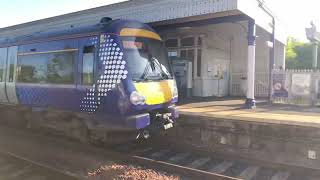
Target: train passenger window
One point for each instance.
(54, 68)
(61, 68)
(87, 65)
(3, 59)
(32, 68)
(12, 60)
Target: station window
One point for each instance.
(187, 42)
(50, 68)
(200, 41)
(88, 65)
(172, 43)
(173, 53)
(188, 54)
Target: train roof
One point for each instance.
(46, 35)
(105, 25)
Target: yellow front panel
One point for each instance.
(156, 92)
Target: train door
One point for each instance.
(86, 65)
(3, 64)
(11, 74)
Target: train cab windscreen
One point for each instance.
(147, 59)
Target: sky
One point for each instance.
(19, 11)
(295, 15)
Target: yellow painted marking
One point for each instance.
(156, 92)
(132, 32)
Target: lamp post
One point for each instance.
(314, 37)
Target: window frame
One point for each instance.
(188, 37)
(176, 39)
(73, 65)
(197, 47)
(94, 64)
(3, 64)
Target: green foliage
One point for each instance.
(298, 54)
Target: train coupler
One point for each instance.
(165, 120)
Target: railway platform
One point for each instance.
(275, 133)
(265, 112)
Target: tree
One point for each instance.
(298, 54)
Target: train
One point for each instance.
(102, 81)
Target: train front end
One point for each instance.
(153, 91)
(149, 89)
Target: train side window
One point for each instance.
(11, 68)
(32, 68)
(61, 68)
(51, 68)
(88, 65)
(3, 58)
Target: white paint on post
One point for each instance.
(251, 66)
(189, 76)
(189, 80)
(251, 71)
(315, 56)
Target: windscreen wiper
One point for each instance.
(152, 63)
(147, 69)
(163, 72)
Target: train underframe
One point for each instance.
(82, 127)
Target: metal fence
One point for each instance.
(299, 87)
(239, 84)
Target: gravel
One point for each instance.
(128, 172)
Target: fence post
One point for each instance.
(313, 88)
(271, 85)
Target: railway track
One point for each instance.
(187, 163)
(13, 167)
(196, 166)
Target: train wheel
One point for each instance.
(78, 130)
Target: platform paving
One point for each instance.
(264, 113)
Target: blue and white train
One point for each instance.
(115, 74)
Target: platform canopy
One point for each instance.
(157, 12)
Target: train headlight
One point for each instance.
(137, 99)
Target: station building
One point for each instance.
(230, 45)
